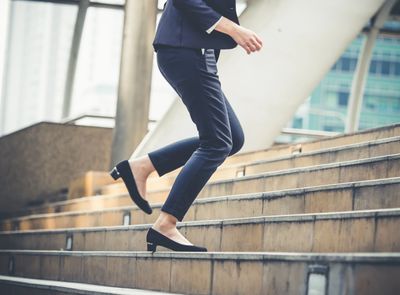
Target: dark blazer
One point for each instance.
(183, 23)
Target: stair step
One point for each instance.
(359, 195)
(318, 144)
(22, 286)
(213, 272)
(355, 170)
(369, 136)
(357, 231)
(367, 149)
(364, 150)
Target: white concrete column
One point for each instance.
(73, 56)
(132, 116)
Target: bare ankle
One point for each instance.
(144, 164)
(165, 221)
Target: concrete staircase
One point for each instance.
(321, 217)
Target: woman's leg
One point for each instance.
(220, 135)
(200, 90)
(175, 155)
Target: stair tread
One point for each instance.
(255, 176)
(389, 212)
(246, 196)
(80, 288)
(350, 134)
(292, 156)
(390, 257)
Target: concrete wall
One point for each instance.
(38, 161)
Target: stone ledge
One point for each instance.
(366, 257)
(376, 213)
(77, 288)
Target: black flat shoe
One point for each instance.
(123, 169)
(155, 238)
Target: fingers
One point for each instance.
(252, 45)
(245, 47)
(249, 40)
(258, 39)
(257, 46)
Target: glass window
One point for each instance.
(339, 65)
(371, 102)
(298, 122)
(373, 68)
(330, 99)
(385, 67)
(396, 104)
(96, 80)
(38, 51)
(353, 64)
(397, 68)
(346, 64)
(343, 98)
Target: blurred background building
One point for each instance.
(43, 43)
(35, 44)
(326, 107)
(319, 172)
(37, 39)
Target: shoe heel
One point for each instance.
(151, 247)
(114, 173)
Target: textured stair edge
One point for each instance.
(213, 272)
(304, 169)
(393, 126)
(242, 178)
(374, 257)
(359, 132)
(75, 288)
(289, 171)
(364, 144)
(368, 143)
(269, 195)
(373, 213)
(308, 168)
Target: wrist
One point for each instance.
(233, 28)
(227, 26)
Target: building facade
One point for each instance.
(326, 108)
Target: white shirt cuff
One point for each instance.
(213, 26)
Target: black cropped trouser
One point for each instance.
(194, 76)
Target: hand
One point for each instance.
(246, 38)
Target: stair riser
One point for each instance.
(337, 234)
(367, 151)
(208, 276)
(329, 200)
(375, 149)
(271, 182)
(304, 178)
(157, 183)
(314, 146)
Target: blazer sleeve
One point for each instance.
(199, 12)
(209, 31)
